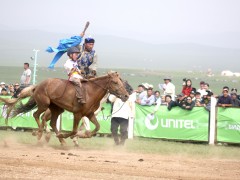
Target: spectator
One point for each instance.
(4, 91)
(206, 87)
(26, 76)
(120, 115)
(2, 85)
(187, 88)
(148, 100)
(235, 100)
(157, 98)
(170, 102)
(202, 88)
(204, 97)
(208, 104)
(168, 87)
(157, 101)
(163, 102)
(225, 100)
(192, 95)
(234, 90)
(180, 100)
(11, 90)
(17, 90)
(141, 92)
(188, 104)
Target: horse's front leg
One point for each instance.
(77, 118)
(94, 120)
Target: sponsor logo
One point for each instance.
(234, 127)
(167, 123)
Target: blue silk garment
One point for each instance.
(64, 45)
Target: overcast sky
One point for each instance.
(157, 21)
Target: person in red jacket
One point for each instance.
(187, 88)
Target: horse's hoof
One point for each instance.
(47, 137)
(39, 135)
(34, 133)
(60, 136)
(63, 143)
(88, 134)
(76, 143)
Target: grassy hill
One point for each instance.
(115, 52)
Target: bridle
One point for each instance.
(108, 87)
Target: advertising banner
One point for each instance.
(103, 118)
(228, 125)
(177, 124)
(22, 120)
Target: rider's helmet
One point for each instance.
(72, 50)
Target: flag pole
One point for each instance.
(35, 66)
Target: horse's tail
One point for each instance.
(26, 92)
(24, 108)
(8, 101)
(11, 103)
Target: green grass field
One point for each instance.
(137, 145)
(134, 77)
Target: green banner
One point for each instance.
(103, 119)
(22, 120)
(175, 124)
(228, 125)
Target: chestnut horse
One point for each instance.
(59, 94)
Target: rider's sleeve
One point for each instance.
(112, 98)
(93, 66)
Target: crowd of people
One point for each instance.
(189, 97)
(14, 89)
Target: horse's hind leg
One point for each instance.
(36, 115)
(45, 117)
(55, 112)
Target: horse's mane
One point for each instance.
(102, 77)
(97, 78)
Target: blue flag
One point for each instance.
(64, 45)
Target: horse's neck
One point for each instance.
(99, 86)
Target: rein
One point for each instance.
(112, 113)
(108, 86)
(107, 89)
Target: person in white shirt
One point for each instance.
(73, 72)
(26, 76)
(140, 93)
(168, 88)
(149, 99)
(202, 89)
(121, 113)
(157, 101)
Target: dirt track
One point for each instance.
(21, 161)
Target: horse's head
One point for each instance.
(127, 86)
(117, 87)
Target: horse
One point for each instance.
(85, 121)
(58, 94)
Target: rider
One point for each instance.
(87, 59)
(73, 71)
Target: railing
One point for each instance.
(220, 125)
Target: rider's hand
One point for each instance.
(82, 34)
(94, 72)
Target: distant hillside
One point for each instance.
(16, 47)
